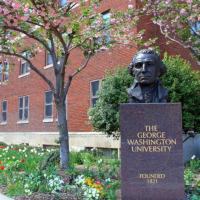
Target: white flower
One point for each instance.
(99, 161)
(107, 180)
(193, 157)
(130, 6)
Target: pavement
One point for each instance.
(3, 197)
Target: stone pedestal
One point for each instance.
(151, 152)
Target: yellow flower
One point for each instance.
(89, 181)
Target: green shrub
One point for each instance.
(3, 144)
(184, 86)
(105, 116)
(182, 82)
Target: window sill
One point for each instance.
(3, 123)
(23, 122)
(48, 66)
(48, 120)
(23, 75)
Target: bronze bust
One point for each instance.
(147, 67)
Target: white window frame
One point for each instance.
(27, 66)
(4, 111)
(23, 120)
(4, 70)
(46, 60)
(91, 93)
(48, 118)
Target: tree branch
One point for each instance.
(35, 69)
(29, 35)
(68, 82)
(172, 39)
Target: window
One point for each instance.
(23, 108)
(106, 18)
(4, 112)
(105, 39)
(4, 71)
(48, 110)
(49, 59)
(195, 27)
(63, 2)
(24, 67)
(94, 88)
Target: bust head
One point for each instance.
(147, 67)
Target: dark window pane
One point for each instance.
(4, 116)
(23, 65)
(21, 102)
(48, 111)
(26, 101)
(20, 114)
(4, 105)
(6, 71)
(27, 67)
(94, 100)
(1, 72)
(95, 87)
(25, 114)
(48, 97)
(49, 59)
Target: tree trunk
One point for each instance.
(63, 135)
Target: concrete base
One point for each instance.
(3, 197)
(77, 140)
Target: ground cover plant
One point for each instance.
(91, 176)
(192, 178)
(24, 172)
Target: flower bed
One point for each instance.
(25, 175)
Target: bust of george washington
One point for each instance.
(147, 68)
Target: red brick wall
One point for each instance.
(79, 93)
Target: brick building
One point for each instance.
(27, 111)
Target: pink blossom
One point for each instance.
(26, 9)
(130, 6)
(183, 12)
(112, 21)
(16, 6)
(24, 18)
(47, 26)
(168, 1)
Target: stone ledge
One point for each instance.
(78, 140)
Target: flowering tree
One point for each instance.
(59, 29)
(179, 21)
